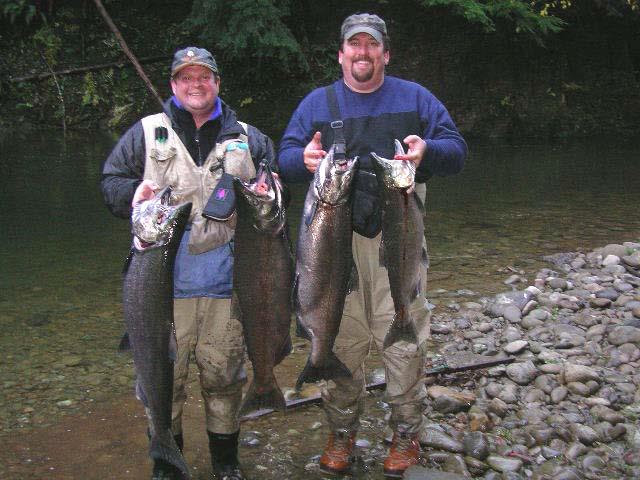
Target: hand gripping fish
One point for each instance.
(402, 247)
(148, 311)
(323, 265)
(262, 281)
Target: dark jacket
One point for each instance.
(123, 170)
(208, 274)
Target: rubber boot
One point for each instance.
(224, 455)
(337, 458)
(404, 452)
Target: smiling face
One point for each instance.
(196, 88)
(363, 59)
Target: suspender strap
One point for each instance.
(340, 145)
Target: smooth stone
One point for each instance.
(558, 394)
(504, 464)
(557, 283)
(437, 439)
(614, 249)
(624, 334)
(579, 373)
(610, 260)
(578, 388)
(600, 302)
(417, 472)
(516, 346)
(522, 373)
(610, 293)
(512, 314)
(585, 434)
(476, 445)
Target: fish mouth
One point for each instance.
(152, 220)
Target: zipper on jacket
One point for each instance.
(197, 140)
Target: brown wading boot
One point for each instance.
(404, 452)
(337, 456)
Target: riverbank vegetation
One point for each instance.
(505, 68)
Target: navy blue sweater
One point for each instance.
(371, 122)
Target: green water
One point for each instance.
(62, 252)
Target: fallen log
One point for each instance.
(452, 364)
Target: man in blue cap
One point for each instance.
(189, 146)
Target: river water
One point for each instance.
(62, 252)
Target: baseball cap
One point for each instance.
(193, 56)
(363, 23)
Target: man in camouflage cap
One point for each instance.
(375, 109)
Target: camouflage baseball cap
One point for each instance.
(193, 56)
(364, 23)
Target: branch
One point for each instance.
(126, 50)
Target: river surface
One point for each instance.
(62, 255)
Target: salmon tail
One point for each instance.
(164, 447)
(331, 368)
(261, 399)
(401, 329)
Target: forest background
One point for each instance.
(509, 69)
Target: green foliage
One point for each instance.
(14, 10)
(519, 13)
(251, 33)
(48, 43)
(90, 95)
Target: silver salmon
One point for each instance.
(262, 282)
(148, 312)
(402, 249)
(323, 265)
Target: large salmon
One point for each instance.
(148, 313)
(262, 280)
(402, 240)
(323, 265)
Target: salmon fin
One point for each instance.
(173, 346)
(236, 312)
(401, 329)
(127, 261)
(330, 369)
(286, 350)
(382, 260)
(301, 330)
(425, 257)
(125, 343)
(270, 398)
(163, 447)
(310, 214)
(420, 203)
(354, 282)
(140, 395)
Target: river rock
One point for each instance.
(438, 439)
(522, 373)
(417, 472)
(579, 373)
(504, 464)
(624, 334)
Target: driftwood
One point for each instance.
(88, 68)
(452, 364)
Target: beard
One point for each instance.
(362, 75)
